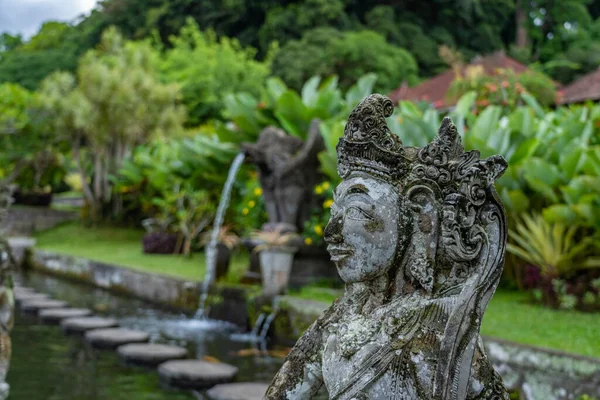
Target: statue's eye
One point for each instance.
(357, 214)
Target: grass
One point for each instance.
(512, 317)
(123, 246)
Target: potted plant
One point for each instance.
(226, 242)
(276, 253)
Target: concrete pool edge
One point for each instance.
(159, 289)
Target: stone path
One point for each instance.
(36, 305)
(150, 354)
(172, 367)
(238, 391)
(111, 338)
(55, 315)
(81, 325)
(195, 374)
(29, 296)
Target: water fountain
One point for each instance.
(211, 247)
(267, 325)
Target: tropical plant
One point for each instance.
(315, 225)
(190, 210)
(225, 236)
(557, 250)
(248, 206)
(504, 88)
(273, 239)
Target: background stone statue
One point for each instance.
(288, 171)
(418, 235)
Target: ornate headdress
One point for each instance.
(369, 146)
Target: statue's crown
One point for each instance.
(369, 146)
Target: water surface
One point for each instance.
(48, 365)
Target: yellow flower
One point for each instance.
(319, 230)
(325, 185)
(318, 190)
(257, 191)
(245, 211)
(308, 241)
(251, 203)
(328, 203)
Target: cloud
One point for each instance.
(26, 16)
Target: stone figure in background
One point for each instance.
(418, 235)
(288, 171)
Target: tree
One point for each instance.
(350, 55)
(208, 68)
(115, 103)
(28, 63)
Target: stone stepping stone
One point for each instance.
(36, 305)
(195, 374)
(23, 289)
(150, 354)
(30, 296)
(55, 315)
(238, 391)
(81, 325)
(111, 338)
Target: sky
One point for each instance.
(26, 16)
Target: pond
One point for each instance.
(49, 365)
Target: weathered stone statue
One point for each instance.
(7, 262)
(288, 171)
(418, 236)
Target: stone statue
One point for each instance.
(288, 171)
(7, 263)
(418, 235)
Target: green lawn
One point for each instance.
(512, 317)
(123, 246)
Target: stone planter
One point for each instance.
(222, 261)
(276, 265)
(159, 243)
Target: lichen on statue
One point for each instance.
(418, 235)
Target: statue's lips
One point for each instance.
(339, 253)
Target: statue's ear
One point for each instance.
(422, 202)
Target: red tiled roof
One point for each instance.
(585, 88)
(434, 90)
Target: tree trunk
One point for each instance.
(87, 191)
(521, 37)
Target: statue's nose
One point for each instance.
(333, 230)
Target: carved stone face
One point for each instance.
(362, 233)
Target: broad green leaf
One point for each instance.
(524, 151)
(465, 104)
(310, 91)
(533, 103)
